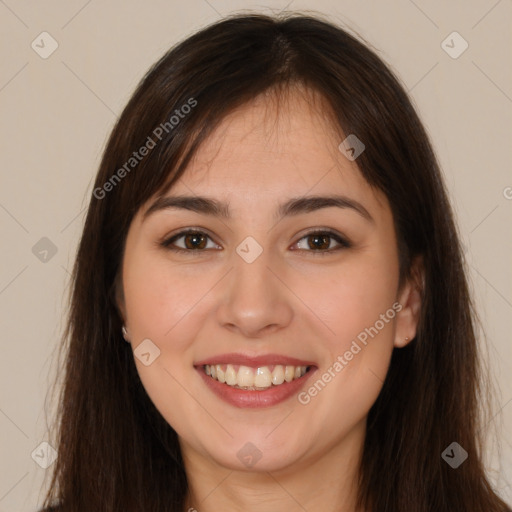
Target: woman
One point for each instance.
(269, 307)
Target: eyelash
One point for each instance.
(343, 243)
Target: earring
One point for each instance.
(406, 339)
(125, 334)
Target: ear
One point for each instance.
(409, 297)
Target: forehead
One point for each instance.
(276, 146)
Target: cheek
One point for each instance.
(163, 304)
(356, 302)
(351, 297)
(357, 305)
(158, 296)
(160, 306)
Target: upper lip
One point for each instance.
(254, 361)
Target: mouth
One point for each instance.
(254, 382)
(254, 378)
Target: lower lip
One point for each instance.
(253, 399)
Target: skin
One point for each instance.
(291, 300)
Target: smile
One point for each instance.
(246, 380)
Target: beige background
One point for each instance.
(57, 112)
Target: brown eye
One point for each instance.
(188, 241)
(322, 242)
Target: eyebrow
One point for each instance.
(294, 206)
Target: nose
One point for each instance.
(254, 300)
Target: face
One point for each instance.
(293, 301)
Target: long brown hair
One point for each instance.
(115, 451)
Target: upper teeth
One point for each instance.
(254, 378)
